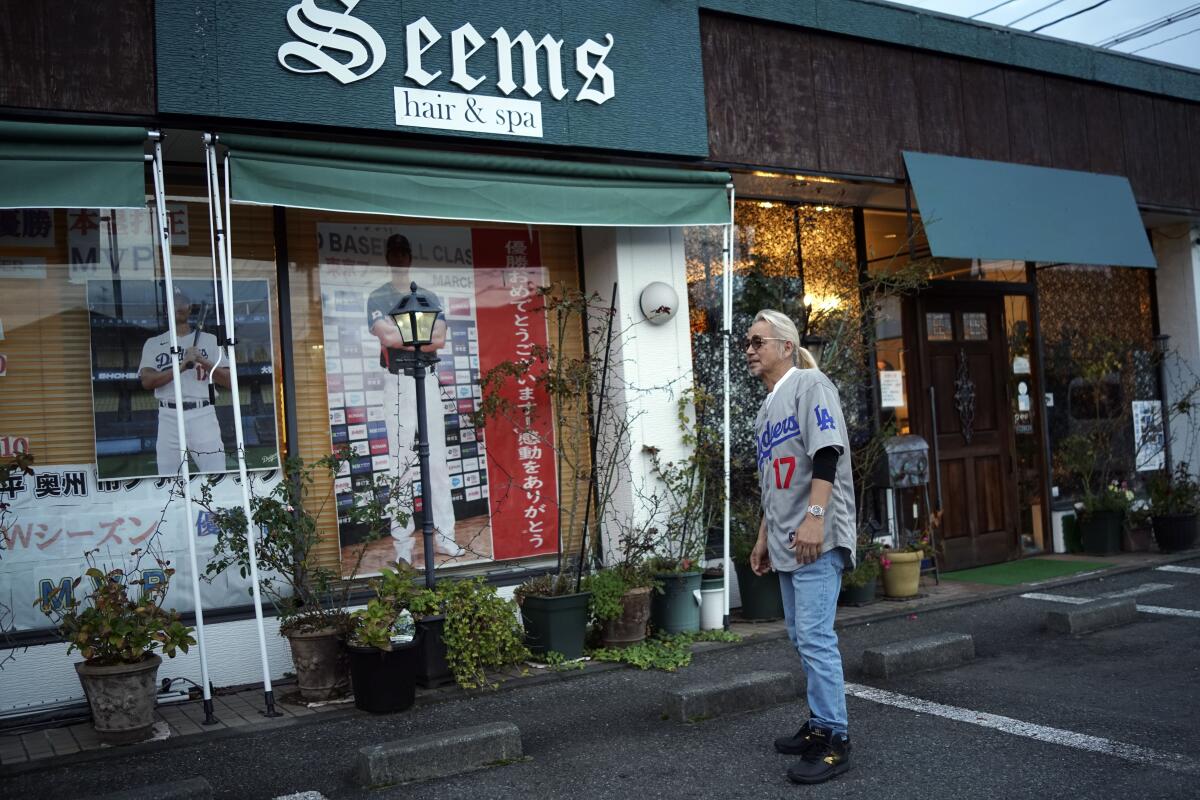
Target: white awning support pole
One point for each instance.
(184, 473)
(727, 331)
(224, 254)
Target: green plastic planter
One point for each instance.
(761, 597)
(556, 624)
(677, 608)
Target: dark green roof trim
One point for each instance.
(912, 27)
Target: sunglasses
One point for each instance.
(757, 341)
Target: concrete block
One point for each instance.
(913, 655)
(438, 755)
(189, 789)
(1093, 616)
(753, 690)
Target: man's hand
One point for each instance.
(809, 538)
(760, 557)
(192, 357)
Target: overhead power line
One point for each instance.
(993, 8)
(1092, 7)
(1035, 13)
(1150, 27)
(1164, 41)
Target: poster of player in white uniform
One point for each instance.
(133, 395)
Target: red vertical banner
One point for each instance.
(523, 486)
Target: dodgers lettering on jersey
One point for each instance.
(776, 433)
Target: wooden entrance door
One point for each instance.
(963, 356)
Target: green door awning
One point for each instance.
(71, 166)
(399, 181)
(992, 210)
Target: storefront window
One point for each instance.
(497, 485)
(1026, 425)
(84, 344)
(1097, 330)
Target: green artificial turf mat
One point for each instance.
(1027, 570)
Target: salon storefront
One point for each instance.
(489, 151)
(507, 148)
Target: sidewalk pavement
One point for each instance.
(238, 710)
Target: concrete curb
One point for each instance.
(1093, 616)
(438, 755)
(914, 655)
(752, 690)
(189, 789)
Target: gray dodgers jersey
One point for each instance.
(800, 417)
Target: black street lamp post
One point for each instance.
(415, 316)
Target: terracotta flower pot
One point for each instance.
(630, 627)
(122, 698)
(322, 666)
(903, 577)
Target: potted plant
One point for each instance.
(383, 648)
(554, 614)
(481, 631)
(858, 584)
(310, 598)
(1174, 503)
(1102, 518)
(117, 626)
(902, 571)
(620, 604)
(762, 598)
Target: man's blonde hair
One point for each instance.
(786, 329)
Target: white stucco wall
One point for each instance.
(1178, 282)
(652, 364)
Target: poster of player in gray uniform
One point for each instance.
(133, 396)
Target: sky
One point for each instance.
(1110, 19)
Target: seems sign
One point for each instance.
(348, 49)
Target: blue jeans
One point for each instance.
(809, 603)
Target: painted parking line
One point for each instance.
(1159, 610)
(1169, 612)
(302, 796)
(1144, 588)
(1080, 741)
(1175, 568)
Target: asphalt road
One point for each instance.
(1107, 715)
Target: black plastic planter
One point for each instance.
(761, 597)
(1100, 532)
(432, 667)
(556, 624)
(1174, 532)
(858, 595)
(384, 681)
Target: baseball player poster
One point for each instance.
(133, 397)
(492, 497)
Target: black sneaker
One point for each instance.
(828, 756)
(797, 745)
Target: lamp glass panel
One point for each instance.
(404, 321)
(424, 324)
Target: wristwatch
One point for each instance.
(817, 511)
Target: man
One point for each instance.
(399, 407)
(196, 374)
(807, 530)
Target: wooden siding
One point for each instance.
(793, 98)
(78, 56)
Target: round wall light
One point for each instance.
(659, 302)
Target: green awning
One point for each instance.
(71, 166)
(468, 186)
(992, 210)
